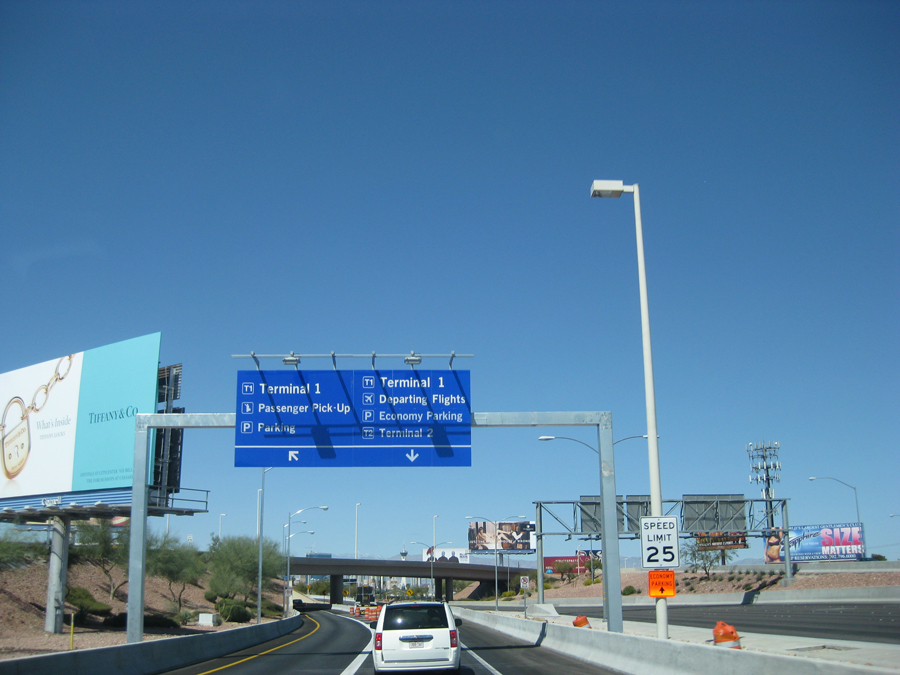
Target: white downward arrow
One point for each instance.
(411, 455)
(293, 455)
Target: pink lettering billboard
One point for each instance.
(840, 541)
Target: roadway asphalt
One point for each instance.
(865, 622)
(329, 644)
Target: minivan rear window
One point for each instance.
(414, 618)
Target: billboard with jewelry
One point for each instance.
(68, 423)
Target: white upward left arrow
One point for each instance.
(411, 455)
(293, 455)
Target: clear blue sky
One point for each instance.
(355, 176)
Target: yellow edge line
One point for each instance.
(268, 651)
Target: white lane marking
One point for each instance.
(490, 668)
(355, 664)
(360, 659)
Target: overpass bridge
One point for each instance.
(443, 573)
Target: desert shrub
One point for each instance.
(233, 610)
(630, 590)
(238, 614)
(185, 617)
(748, 586)
(547, 585)
(84, 602)
(211, 596)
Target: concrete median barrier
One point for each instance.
(154, 656)
(637, 655)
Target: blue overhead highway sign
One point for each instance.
(353, 418)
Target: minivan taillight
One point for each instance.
(453, 642)
(378, 640)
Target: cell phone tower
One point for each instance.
(764, 462)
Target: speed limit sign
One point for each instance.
(659, 542)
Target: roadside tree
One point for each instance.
(106, 548)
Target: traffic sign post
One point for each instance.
(524, 583)
(661, 583)
(659, 542)
(353, 418)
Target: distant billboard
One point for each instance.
(454, 555)
(580, 560)
(505, 536)
(68, 423)
(717, 541)
(841, 541)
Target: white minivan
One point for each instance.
(416, 636)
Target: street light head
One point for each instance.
(546, 438)
(324, 508)
(812, 477)
(607, 188)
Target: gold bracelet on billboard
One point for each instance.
(16, 444)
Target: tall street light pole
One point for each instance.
(433, 549)
(288, 547)
(609, 530)
(496, 546)
(615, 188)
(259, 538)
(288, 586)
(356, 534)
(291, 516)
(855, 495)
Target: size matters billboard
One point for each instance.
(840, 541)
(68, 423)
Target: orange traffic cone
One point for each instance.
(581, 622)
(725, 635)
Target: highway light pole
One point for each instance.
(291, 516)
(615, 188)
(609, 528)
(855, 496)
(495, 523)
(356, 534)
(433, 549)
(259, 538)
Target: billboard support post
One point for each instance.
(788, 572)
(56, 576)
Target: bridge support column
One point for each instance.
(438, 589)
(337, 589)
(448, 589)
(56, 574)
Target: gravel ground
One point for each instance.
(718, 584)
(23, 595)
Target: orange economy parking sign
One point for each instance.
(661, 583)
